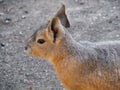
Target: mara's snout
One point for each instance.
(28, 49)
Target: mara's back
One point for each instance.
(101, 65)
(90, 66)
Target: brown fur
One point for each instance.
(79, 66)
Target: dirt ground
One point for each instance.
(91, 20)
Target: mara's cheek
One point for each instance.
(34, 52)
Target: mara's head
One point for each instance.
(45, 43)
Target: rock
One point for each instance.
(1, 1)
(2, 44)
(110, 21)
(20, 33)
(116, 16)
(7, 20)
(81, 3)
(26, 12)
(23, 17)
(117, 35)
(1, 13)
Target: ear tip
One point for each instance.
(63, 5)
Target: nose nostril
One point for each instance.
(26, 48)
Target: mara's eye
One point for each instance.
(41, 41)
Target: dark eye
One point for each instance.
(41, 41)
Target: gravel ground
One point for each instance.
(92, 20)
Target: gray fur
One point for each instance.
(98, 59)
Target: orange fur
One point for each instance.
(76, 65)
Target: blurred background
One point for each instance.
(91, 20)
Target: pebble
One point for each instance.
(81, 3)
(20, 33)
(76, 0)
(26, 12)
(1, 13)
(116, 16)
(2, 45)
(23, 17)
(114, 7)
(30, 88)
(8, 20)
(1, 1)
(99, 14)
(117, 35)
(110, 21)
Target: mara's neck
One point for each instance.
(67, 55)
(69, 48)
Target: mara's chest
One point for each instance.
(74, 77)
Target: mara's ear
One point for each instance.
(55, 30)
(62, 15)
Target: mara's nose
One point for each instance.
(26, 48)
